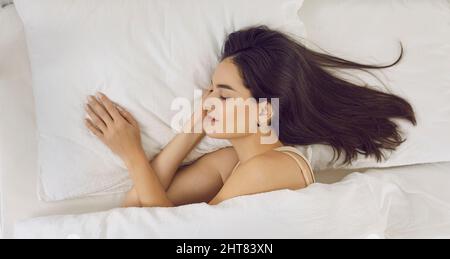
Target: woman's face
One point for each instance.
(230, 105)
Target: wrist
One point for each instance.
(135, 158)
(195, 124)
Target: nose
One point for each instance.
(209, 106)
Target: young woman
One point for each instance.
(315, 107)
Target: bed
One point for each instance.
(396, 202)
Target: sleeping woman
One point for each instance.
(314, 107)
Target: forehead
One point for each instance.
(228, 73)
(226, 70)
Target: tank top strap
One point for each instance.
(308, 172)
(235, 167)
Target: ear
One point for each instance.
(265, 111)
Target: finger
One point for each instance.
(109, 105)
(127, 116)
(93, 129)
(207, 92)
(100, 110)
(96, 120)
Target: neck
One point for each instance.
(250, 146)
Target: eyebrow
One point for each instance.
(224, 86)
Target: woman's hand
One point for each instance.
(115, 127)
(195, 124)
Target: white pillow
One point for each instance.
(142, 54)
(369, 31)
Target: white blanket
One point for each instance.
(406, 202)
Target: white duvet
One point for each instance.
(406, 202)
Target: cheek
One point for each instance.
(229, 113)
(240, 118)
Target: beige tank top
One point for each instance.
(307, 171)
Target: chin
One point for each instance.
(227, 136)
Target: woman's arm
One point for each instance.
(168, 161)
(198, 182)
(118, 130)
(147, 184)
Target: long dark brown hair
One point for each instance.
(317, 107)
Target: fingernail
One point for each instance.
(100, 95)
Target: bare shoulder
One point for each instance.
(276, 169)
(223, 160)
(265, 173)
